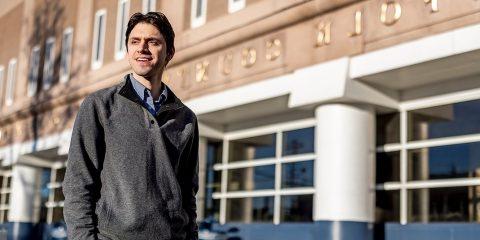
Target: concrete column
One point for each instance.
(202, 170)
(23, 210)
(345, 171)
(423, 168)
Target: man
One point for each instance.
(133, 161)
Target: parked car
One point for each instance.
(206, 232)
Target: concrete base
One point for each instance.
(325, 230)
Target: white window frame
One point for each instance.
(149, 6)
(51, 204)
(200, 20)
(65, 73)
(11, 79)
(49, 64)
(278, 160)
(97, 63)
(33, 71)
(234, 6)
(4, 191)
(404, 146)
(2, 79)
(120, 48)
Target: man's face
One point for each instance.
(146, 50)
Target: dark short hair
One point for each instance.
(160, 21)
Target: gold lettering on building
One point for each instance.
(201, 73)
(433, 4)
(225, 63)
(384, 14)
(323, 34)
(18, 129)
(166, 77)
(56, 121)
(358, 24)
(181, 75)
(273, 50)
(249, 57)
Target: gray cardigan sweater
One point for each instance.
(131, 175)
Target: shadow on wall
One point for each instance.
(48, 21)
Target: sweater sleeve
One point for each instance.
(81, 185)
(190, 186)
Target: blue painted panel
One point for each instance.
(325, 230)
(437, 231)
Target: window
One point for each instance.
(51, 192)
(212, 179)
(2, 79)
(253, 148)
(33, 71)
(122, 21)
(98, 38)
(66, 57)
(251, 209)
(198, 13)
(235, 5)
(251, 178)
(49, 63)
(148, 6)
(5, 190)
(297, 208)
(11, 79)
(267, 174)
(428, 166)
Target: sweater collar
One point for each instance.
(126, 90)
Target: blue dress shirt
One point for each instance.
(153, 106)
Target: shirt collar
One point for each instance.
(140, 89)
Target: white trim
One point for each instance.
(224, 183)
(54, 185)
(54, 204)
(436, 183)
(403, 167)
(425, 49)
(270, 129)
(146, 8)
(265, 193)
(5, 190)
(235, 5)
(11, 80)
(59, 164)
(120, 48)
(33, 71)
(443, 141)
(100, 40)
(390, 147)
(278, 178)
(439, 100)
(200, 20)
(7, 173)
(266, 161)
(209, 132)
(436, 142)
(11, 153)
(49, 63)
(65, 74)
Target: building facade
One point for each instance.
(319, 119)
